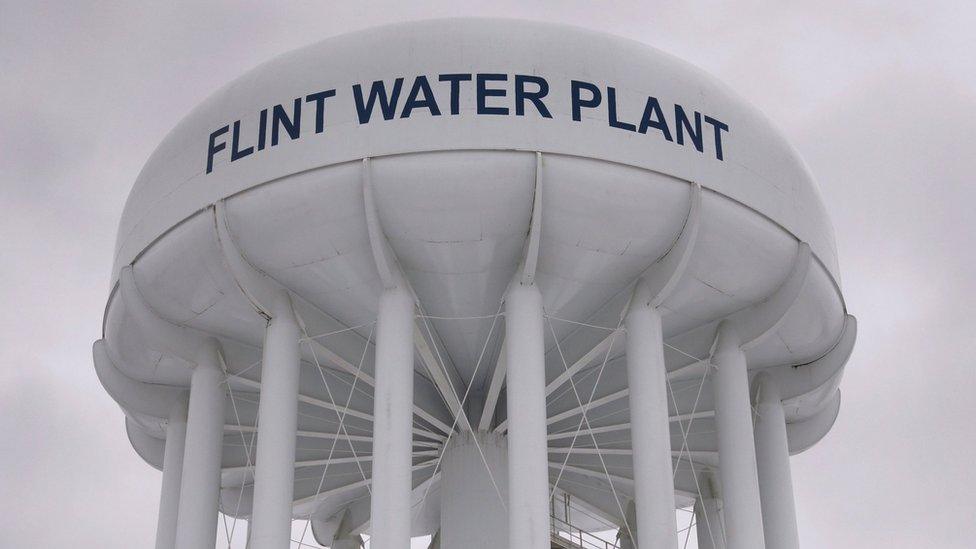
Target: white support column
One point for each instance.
(392, 427)
(650, 428)
(200, 485)
(736, 448)
(169, 493)
(708, 524)
(274, 474)
(773, 461)
(528, 466)
(472, 513)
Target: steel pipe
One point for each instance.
(773, 462)
(200, 483)
(650, 429)
(392, 427)
(736, 448)
(274, 472)
(169, 493)
(528, 469)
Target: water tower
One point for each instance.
(499, 282)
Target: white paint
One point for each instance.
(200, 486)
(650, 428)
(736, 450)
(393, 417)
(274, 473)
(169, 493)
(773, 462)
(472, 514)
(709, 528)
(528, 470)
(173, 183)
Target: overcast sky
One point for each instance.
(879, 98)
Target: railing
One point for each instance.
(565, 531)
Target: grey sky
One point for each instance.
(879, 98)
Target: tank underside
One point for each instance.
(458, 223)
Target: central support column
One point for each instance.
(169, 493)
(528, 466)
(274, 473)
(708, 524)
(200, 485)
(472, 515)
(773, 461)
(650, 429)
(736, 448)
(393, 423)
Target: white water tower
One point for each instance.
(499, 282)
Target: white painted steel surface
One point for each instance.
(448, 208)
(528, 469)
(199, 486)
(773, 462)
(169, 492)
(392, 428)
(736, 450)
(650, 429)
(274, 473)
(709, 529)
(473, 511)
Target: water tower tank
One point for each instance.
(500, 282)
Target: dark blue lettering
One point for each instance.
(319, 100)
(682, 123)
(455, 80)
(719, 128)
(420, 86)
(535, 97)
(612, 112)
(484, 93)
(658, 122)
(578, 102)
(280, 118)
(377, 92)
(235, 152)
(214, 147)
(262, 128)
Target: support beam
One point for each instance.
(736, 448)
(587, 432)
(494, 390)
(598, 350)
(299, 504)
(595, 403)
(708, 523)
(274, 474)
(773, 462)
(393, 404)
(169, 493)
(528, 478)
(445, 383)
(200, 484)
(319, 403)
(650, 428)
(528, 470)
(361, 458)
(472, 513)
(260, 290)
